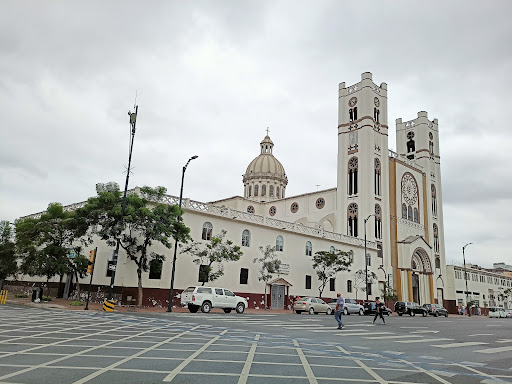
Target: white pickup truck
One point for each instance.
(207, 298)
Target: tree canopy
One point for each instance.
(269, 264)
(8, 259)
(147, 221)
(328, 263)
(217, 251)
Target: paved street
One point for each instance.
(54, 346)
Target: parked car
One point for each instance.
(350, 306)
(311, 305)
(409, 308)
(497, 312)
(207, 298)
(369, 309)
(436, 310)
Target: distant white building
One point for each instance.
(485, 287)
(398, 195)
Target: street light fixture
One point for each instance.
(171, 293)
(366, 257)
(466, 278)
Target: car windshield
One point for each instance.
(188, 290)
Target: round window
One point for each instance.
(294, 207)
(272, 211)
(320, 203)
(250, 209)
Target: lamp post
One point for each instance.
(169, 307)
(366, 257)
(466, 278)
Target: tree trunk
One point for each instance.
(139, 278)
(77, 286)
(47, 286)
(265, 296)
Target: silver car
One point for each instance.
(311, 305)
(350, 306)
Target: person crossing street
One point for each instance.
(340, 302)
(378, 310)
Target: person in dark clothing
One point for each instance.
(378, 310)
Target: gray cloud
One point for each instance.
(211, 76)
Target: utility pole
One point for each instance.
(113, 265)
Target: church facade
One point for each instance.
(393, 200)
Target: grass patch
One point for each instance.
(47, 298)
(76, 303)
(21, 295)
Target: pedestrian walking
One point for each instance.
(378, 310)
(340, 302)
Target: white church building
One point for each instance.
(399, 194)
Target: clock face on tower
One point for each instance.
(376, 102)
(352, 102)
(409, 189)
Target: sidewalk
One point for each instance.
(63, 304)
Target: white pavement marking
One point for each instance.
(493, 325)
(425, 331)
(431, 374)
(432, 357)
(495, 350)
(482, 374)
(393, 337)
(412, 327)
(179, 368)
(128, 358)
(341, 332)
(482, 334)
(371, 372)
(443, 373)
(70, 355)
(456, 345)
(421, 340)
(504, 341)
(248, 362)
(473, 364)
(309, 372)
(393, 353)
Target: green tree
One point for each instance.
(147, 220)
(217, 251)
(8, 259)
(44, 244)
(388, 293)
(360, 278)
(269, 264)
(328, 263)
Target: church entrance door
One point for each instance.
(440, 296)
(277, 296)
(416, 288)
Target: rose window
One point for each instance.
(272, 211)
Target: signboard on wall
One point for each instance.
(390, 280)
(284, 269)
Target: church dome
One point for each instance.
(265, 178)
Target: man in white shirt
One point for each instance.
(340, 302)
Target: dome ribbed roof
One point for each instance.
(265, 163)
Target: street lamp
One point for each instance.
(169, 307)
(466, 278)
(366, 256)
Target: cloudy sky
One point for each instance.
(211, 76)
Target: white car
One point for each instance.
(312, 305)
(497, 312)
(207, 298)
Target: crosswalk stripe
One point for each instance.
(394, 337)
(495, 350)
(420, 341)
(456, 345)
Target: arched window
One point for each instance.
(355, 113)
(378, 222)
(416, 216)
(404, 211)
(438, 262)
(352, 219)
(263, 190)
(155, 269)
(376, 178)
(246, 238)
(279, 243)
(271, 191)
(351, 114)
(282, 193)
(411, 146)
(352, 175)
(349, 286)
(431, 147)
(332, 249)
(309, 248)
(250, 190)
(409, 213)
(207, 231)
(277, 192)
(256, 190)
(434, 199)
(379, 251)
(436, 238)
